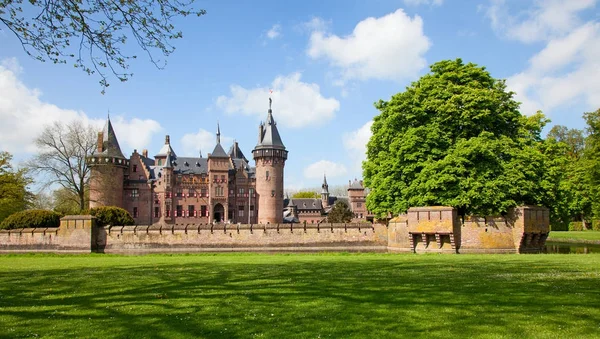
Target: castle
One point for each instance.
(221, 187)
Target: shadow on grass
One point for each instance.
(303, 296)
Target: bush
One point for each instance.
(31, 219)
(111, 215)
(596, 225)
(559, 226)
(576, 226)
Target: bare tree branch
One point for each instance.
(61, 30)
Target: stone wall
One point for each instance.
(75, 234)
(423, 229)
(440, 229)
(238, 237)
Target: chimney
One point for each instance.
(100, 138)
(167, 140)
(145, 153)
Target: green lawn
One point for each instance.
(300, 296)
(574, 236)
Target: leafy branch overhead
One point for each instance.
(93, 34)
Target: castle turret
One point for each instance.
(218, 169)
(270, 155)
(107, 170)
(325, 192)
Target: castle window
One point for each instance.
(168, 210)
(135, 212)
(156, 212)
(134, 193)
(251, 210)
(190, 210)
(179, 192)
(203, 211)
(223, 178)
(160, 162)
(240, 211)
(267, 175)
(251, 191)
(241, 190)
(218, 191)
(179, 211)
(203, 192)
(358, 205)
(134, 168)
(273, 193)
(191, 193)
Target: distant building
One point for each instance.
(314, 210)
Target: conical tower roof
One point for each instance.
(324, 186)
(110, 144)
(270, 137)
(218, 152)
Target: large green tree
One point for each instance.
(591, 160)
(14, 195)
(93, 34)
(454, 137)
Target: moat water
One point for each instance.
(569, 248)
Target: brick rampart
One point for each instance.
(440, 229)
(423, 229)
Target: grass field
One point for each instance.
(574, 236)
(300, 296)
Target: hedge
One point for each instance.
(31, 219)
(596, 225)
(111, 215)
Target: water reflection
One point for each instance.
(567, 248)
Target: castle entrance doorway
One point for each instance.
(219, 213)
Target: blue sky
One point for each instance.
(327, 62)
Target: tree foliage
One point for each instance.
(306, 194)
(31, 219)
(340, 213)
(14, 195)
(93, 33)
(111, 215)
(454, 137)
(63, 149)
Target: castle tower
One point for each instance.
(325, 192)
(270, 155)
(218, 175)
(107, 170)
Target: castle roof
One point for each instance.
(356, 185)
(166, 149)
(235, 152)
(218, 152)
(110, 144)
(324, 186)
(269, 135)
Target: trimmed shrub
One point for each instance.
(596, 225)
(31, 219)
(576, 226)
(111, 215)
(559, 226)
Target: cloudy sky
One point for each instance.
(327, 62)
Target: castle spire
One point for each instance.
(218, 134)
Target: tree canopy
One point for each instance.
(14, 195)
(455, 137)
(340, 212)
(306, 194)
(63, 149)
(93, 34)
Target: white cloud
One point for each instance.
(546, 20)
(204, 141)
(24, 114)
(315, 24)
(566, 70)
(390, 47)
(424, 2)
(295, 103)
(355, 143)
(317, 169)
(274, 32)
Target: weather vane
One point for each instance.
(270, 100)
